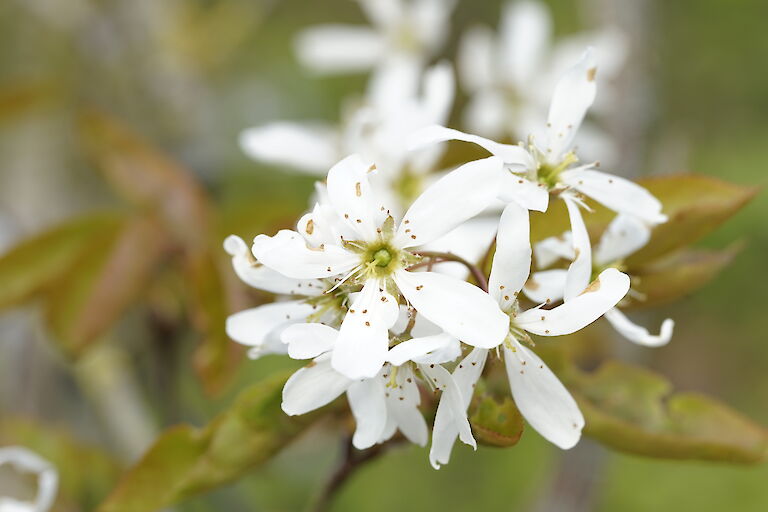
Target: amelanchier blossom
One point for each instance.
(509, 75)
(27, 462)
(623, 237)
(404, 35)
(359, 244)
(538, 393)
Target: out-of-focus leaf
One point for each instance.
(496, 424)
(149, 178)
(36, 263)
(86, 474)
(676, 276)
(103, 282)
(17, 99)
(210, 292)
(186, 461)
(696, 205)
(634, 410)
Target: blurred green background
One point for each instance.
(188, 75)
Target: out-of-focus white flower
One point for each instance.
(25, 461)
(624, 236)
(357, 242)
(539, 395)
(404, 35)
(509, 75)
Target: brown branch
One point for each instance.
(477, 274)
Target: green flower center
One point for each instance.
(382, 257)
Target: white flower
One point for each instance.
(26, 461)
(382, 404)
(404, 36)
(539, 395)
(360, 245)
(260, 327)
(624, 236)
(509, 75)
(548, 166)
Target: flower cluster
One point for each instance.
(380, 284)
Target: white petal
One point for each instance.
(287, 253)
(574, 94)
(27, 461)
(363, 341)
(476, 58)
(394, 82)
(448, 352)
(525, 32)
(383, 14)
(308, 147)
(487, 113)
(418, 347)
(306, 341)
(638, 334)
(551, 249)
(366, 400)
(624, 235)
(542, 399)
(512, 261)
(600, 296)
(455, 198)
(264, 278)
(510, 154)
(402, 406)
(616, 193)
(459, 308)
(262, 326)
(452, 399)
(439, 91)
(446, 428)
(546, 286)
(351, 196)
(312, 387)
(580, 269)
(528, 194)
(339, 48)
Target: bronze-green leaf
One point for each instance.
(35, 264)
(103, 282)
(186, 461)
(634, 410)
(676, 276)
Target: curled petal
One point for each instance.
(638, 334)
(580, 269)
(312, 387)
(307, 341)
(416, 348)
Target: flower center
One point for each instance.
(549, 174)
(382, 257)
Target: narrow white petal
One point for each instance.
(306, 341)
(418, 347)
(512, 261)
(616, 193)
(287, 252)
(383, 14)
(542, 399)
(525, 32)
(452, 400)
(339, 48)
(455, 198)
(510, 154)
(638, 334)
(580, 269)
(363, 342)
(624, 235)
(312, 387)
(402, 405)
(262, 326)
(574, 94)
(439, 92)
(446, 353)
(459, 308)
(351, 196)
(446, 429)
(366, 400)
(574, 314)
(308, 147)
(528, 194)
(546, 286)
(264, 278)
